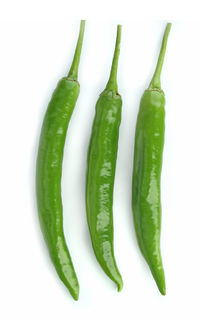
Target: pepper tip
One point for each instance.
(119, 285)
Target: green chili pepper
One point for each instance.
(102, 156)
(49, 170)
(149, 142)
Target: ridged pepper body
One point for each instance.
(102, 156)
(48, 178)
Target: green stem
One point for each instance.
(112, 82)
(73, 72)
(155, 82)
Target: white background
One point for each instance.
(36, 51)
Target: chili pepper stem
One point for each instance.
(155, 82)
(73, 72)
(112, 82)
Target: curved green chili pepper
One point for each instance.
(102, 156)
(149, 142)
(49, 170)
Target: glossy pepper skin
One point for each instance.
(49, 171)
(149, 142)
(101, 165)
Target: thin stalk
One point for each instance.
(155, 82)
(112, 82)
(73, 72)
